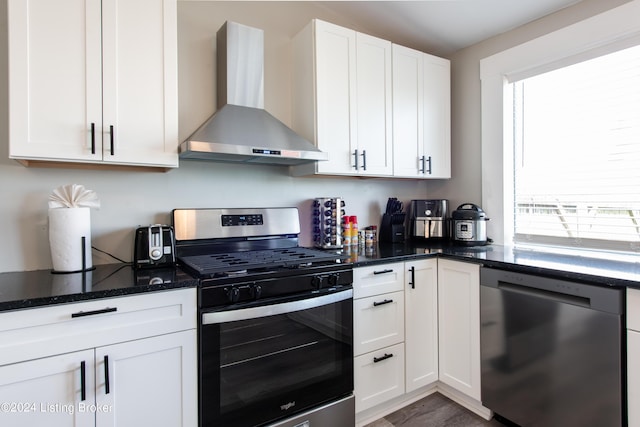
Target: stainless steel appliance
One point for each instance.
(276, 320)
(428, 219)
(154, 246)
(552, 350)
(326, 215)
(469, 226)
(241, 130)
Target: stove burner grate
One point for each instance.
(256, 260)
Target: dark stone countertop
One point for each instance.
(599, 271)
(26, 289)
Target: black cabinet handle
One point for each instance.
(355, 155)
(111, 138)
(106, 374)
(93, 138)
(387, 301)
(364, 159)
(413, 277)
(83, 383)
(385, 357)
(94, 312)
(421, 167)
(429, 161)
(383, 271)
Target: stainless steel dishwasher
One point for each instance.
(552, 350)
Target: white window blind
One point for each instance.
(577, 154)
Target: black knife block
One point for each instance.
(392, 228)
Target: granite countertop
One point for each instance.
(599, 271)
(26, 289)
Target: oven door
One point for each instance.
(268, 362)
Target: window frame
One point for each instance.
(613, 30)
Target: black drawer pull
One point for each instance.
(383, 271)
(387, 301)
(385, 357)
(94, 312)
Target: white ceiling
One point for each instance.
(444, 26)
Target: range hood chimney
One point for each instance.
(241, 130)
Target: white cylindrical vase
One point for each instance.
(70, 239)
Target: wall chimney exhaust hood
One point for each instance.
(241, 130)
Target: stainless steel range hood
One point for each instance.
(241, 130)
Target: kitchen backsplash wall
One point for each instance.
(129, 199)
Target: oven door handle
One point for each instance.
(274, 309)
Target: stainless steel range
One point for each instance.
(276, 320)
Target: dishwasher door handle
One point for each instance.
(543, 293)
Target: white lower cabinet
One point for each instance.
(380, 322)
(633, 355)
(421, 323)
(378, 331)
(152, 382)
(459, 326)
(379, 376)
(148, 376)
(430, 342)
(47, 391)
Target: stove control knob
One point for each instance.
(333, 279)
(233, 294)
(256, 291)
(316, 282)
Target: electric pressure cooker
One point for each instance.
(469, 225)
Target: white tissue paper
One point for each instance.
(69, 223)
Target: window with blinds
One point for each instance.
(577, 154)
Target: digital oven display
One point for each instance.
(238, 220)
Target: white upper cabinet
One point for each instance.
(421, 115)
(342, 99)
(373, 90)
(93, 81)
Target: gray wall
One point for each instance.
(133, 198)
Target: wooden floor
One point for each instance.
(433, 411)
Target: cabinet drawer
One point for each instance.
(633, 309)
(378, 322)
(31, 333)
(378, 279)
(378, 376)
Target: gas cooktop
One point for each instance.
(227, 264)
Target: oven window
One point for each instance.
(274, 366)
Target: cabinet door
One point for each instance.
(335, 49)
(48, 391)
(421, 323)
(408, 117)
(378, 322)
(437, 116)
(373, 113)
(152, 381)
(54, 79)
(140, 82)
(459, 326)
(378, 376)
(633, 377)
